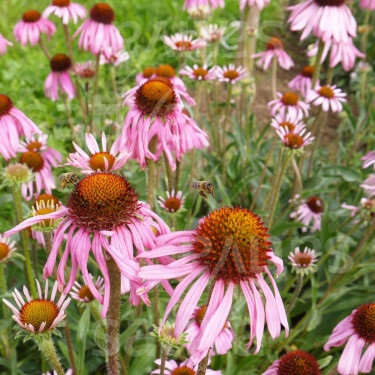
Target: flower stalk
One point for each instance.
(3, 289)
(318, 64)
(95, 91)
(48, 349)
(274, 77)
(115, 93)
(227, 105)
(297, 293)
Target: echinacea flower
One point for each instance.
(3, 44)
(367, 4)
(114, 59)
(83, 293)
(259, 3)
(98, 34)
(66, 10)
(231, 73)
(297, 362)
(303, 263)
(173, 203)
(101, 205)
(59, 78)
(329, 97)
(193, 4)
(14, 175)
(274, 49)
(358, 332)
(147, 73)
(303, 81)
(368, 159)
(184, 368)
(212, 33)
(296, 138)
(13, 125)
(286, 121)
(289, 103)
(6, 248)
(310, 209)
(31, 26)
(180, 42)
(369, 185)
(39, 315)
(84, 70)
(228, 249)
(156, 111)
(366, 208)
(97, 160)
(199, 73)
(326, 19)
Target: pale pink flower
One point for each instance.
(6, 248)
(31, 319)
(289, 103)
(66, 10)
(303, 263)
(84, 70)
(181, 42)
(358, 332)
(198, 73)
(369, 185)
(331, 21)
(98, 34)
(274, 49)
(212, 33)
(186, 367)
(98, 160)
(231, 73)
(3, 45)
(303, 81)
(114, 59)
(310, 209)
(295, 138)
(59, 78)
(13, 125)
(368, 159)
(193, 4)
(367, 4)
(103, 214)
(156, 111)
(83, 294)
(329, 97)
(146, 74)
(366, 207)
(286, 121)
(173, 203)
(210, 254)
(31, 26)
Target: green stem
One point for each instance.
(3, 289)
(366, 31)
(96, 85)
(164, 358)
(34, 253)
(177, 176)
(157, 317)
(44, 49)
(17, 197)
(151, 168)
(274, 77)
(296, 293)
(70, 347)
(169, 174)
(48, 349)
(227, 105)
(115, 93)
(318, 64)
(330, 75)
(298, 175)
(70, 119)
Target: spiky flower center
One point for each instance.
(327, 92)
(364, 322)
(183, 371)
(34, 146)
(290, 98)
(17, 172)
(37, 312)
(274, 43)
(47, 199)
(86, 294)
(330, 3)
(232, 243)
(200, 72)
(60, 63)
(61, 3)
(172, 204)
(308, 71)
(156, 97)
(184, 45)
(148, 72)
(100, 159)
(5, 105)
(166, 71)
(288, 126)
(45, 211)
(31, 16)
(315, 204)
(33, 160)
(298, 362)
(103, 201)
(303, 260)
(4, 250)
(294, 140)
(102, 13)
(231, 74)
(86, 73)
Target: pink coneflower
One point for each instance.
(303, 81)
(295, 138)
(66, 10)
(369, 185)
(329, 97)
(366, 207)
(231, 74)
(310, 209)
(223, 342)
(13, 125)
(173, 203)
(327, 19)
(101, 205)
(114, 59)
(31, 26)
(6, 248)
(181, 42)
(193, 4)
(199, 73)
(97, 160)
(3, 45)
(286, 121)
(230, 248)
(98, 34)
(83, 293)
(367, 4)
(212, 33)
(40, 315)
(360, 329)
(184, 368)
(259, 3)
(368, 159)
(59, 78)
(84, 70)
(147, 73)
(289, 103)
(274, 49)
(303, 263)
(297, 362)
(156, 111)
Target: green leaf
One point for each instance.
(346, 173)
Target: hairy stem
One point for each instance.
(48, 349)
(274, 77)
(226, 116)
(95, 91)
(297, 292)
(318, 64)
(151, 168)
